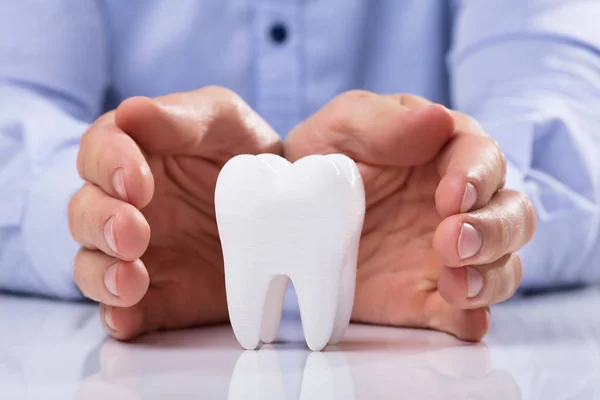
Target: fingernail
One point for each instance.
(469, 241)
(469, 198)
(474, 282)
(110, 279)
(109, 235)
(119, 183)
(108, 318)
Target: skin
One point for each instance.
(169, 267)
(415, 159)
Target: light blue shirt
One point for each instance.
(528, 70)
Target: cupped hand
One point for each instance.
(151, 253)
(440, 232)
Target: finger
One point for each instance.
(372, 129)
(197, 298)
(111, 159)
(472, 168)
(108, 280)
(211, 122)
(505, 225)
(466, 324)
(98, 221)
(411, 101)
(466, 124)
(462, 122)
(478, 286)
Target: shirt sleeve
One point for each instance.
(52, 82)
(529, 72)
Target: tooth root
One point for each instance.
(345, 302)
(246, 303)
(273, 308)
(318, 300)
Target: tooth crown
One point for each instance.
(279, 221)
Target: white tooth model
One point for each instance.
(279, 221)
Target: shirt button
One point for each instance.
(278, 33)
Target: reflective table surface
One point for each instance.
(540, 347)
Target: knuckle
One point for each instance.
(104, 309)
(225, 99)
(79, 276)
(511, 276)
(93, 145)
(411, 101)
(486, 168)
(354, 95)
(341, 112)
(502, 231)
(228, 107)
(499, 159)
(105, 163)
(342, 108)
(85, 144)
(494, 162)
(80, 164)
(518, 273)
(492, 280)
(529, 217)
(219, 91)
(467, 124)
(106, 119)
(74, 210)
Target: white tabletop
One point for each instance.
(544, 347)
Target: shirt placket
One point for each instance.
(278, 63)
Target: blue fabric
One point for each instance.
(528, 70)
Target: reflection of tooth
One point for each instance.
(259, 375)
(327, 376)
(278, 220)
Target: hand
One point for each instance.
(440, 234)
(145, 216)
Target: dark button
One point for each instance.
(278, 33)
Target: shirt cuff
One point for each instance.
(46, 235)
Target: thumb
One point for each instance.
(373, 129)
(211, 122)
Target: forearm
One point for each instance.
(548, 141)
(536, 92)
(38, 175)
(53, 77)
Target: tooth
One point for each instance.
(278, 220)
